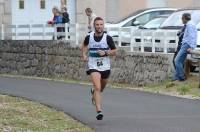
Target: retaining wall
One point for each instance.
(59, 59)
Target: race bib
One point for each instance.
(99, 62)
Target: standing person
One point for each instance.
(188, 43)
(57, 19)
(65, 19)
(65, 15)
(100, 46)
(91, 17)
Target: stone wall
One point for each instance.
(59, 59)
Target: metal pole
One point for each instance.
(30, 31)
(2, 32)
(77, 34)
(43, 31)
(142, 41)
(66, 31)
(119, 37)
(15, 32)
(55, 31)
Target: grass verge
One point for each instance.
(18, 114)
(187, 89)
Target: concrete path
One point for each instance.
(124, 110)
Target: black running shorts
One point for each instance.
(104, 74)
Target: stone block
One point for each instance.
(34, 62)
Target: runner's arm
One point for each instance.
(111, 52)
(84, 48)
(112, 46)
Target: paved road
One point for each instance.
(125, 110)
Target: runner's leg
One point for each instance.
(103, 84)
(96, 80)
(104, 79)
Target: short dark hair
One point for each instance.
(187, 16)
(88, 9)
(97, 19)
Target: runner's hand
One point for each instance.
(85, 58)
(101, 53)
(189, 50)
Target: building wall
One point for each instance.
(127, 8)
(110, 10)
(196, 3)
(156, 3)
(98, 7)
(181, 4)
(5, 12)
(71, 8)
(32, 14)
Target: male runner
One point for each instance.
(100, 46)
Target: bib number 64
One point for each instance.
(99, 63)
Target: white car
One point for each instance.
(138, 18)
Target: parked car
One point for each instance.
(138, 18)
(174, 22)
(153, 25)
(141, 17)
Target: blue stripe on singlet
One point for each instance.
(94, 54)
(93, 51)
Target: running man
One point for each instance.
(100, 46)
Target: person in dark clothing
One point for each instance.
(180, 37)
(65, 15)
(65, 19)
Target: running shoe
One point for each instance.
(99, 115)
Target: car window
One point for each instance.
(143, 19)
(155, 23)
(196, 16)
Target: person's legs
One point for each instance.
(96, 80)
(179, 62)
